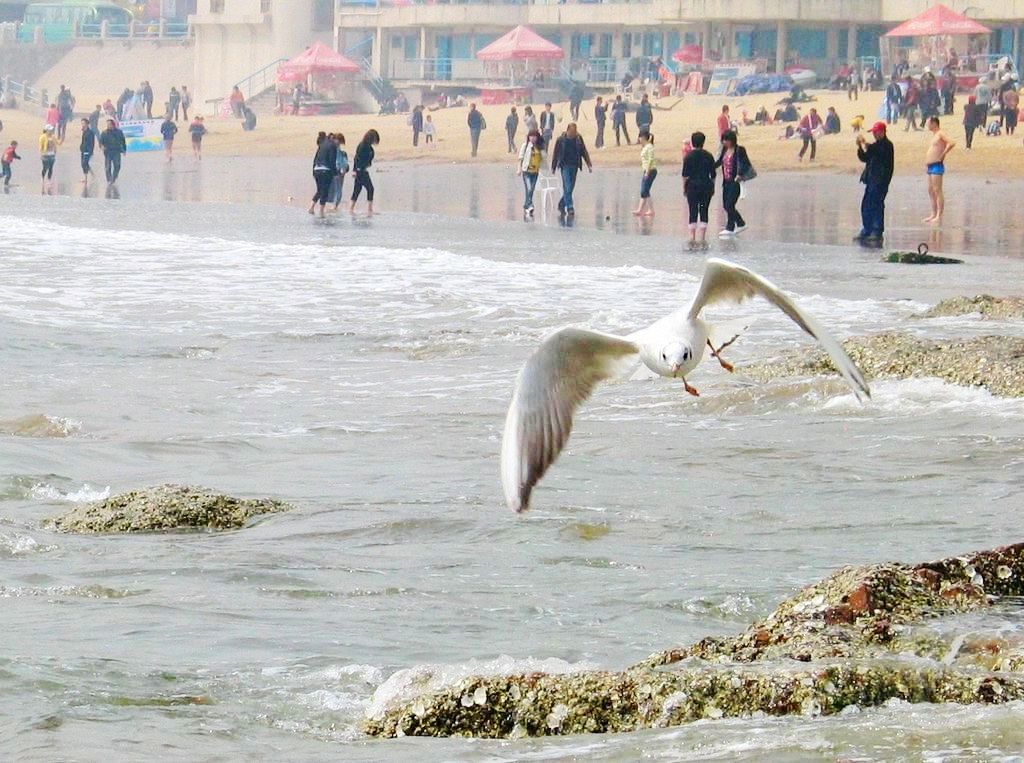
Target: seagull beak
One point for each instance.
(675, 368)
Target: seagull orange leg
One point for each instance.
(717, 354)
(692, 390)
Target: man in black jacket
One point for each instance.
(113, 143)
(87, 148)
(569, 154)
(879, 162)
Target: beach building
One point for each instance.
(431, 43)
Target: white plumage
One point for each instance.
(569, 363)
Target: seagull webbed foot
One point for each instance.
(692, 390)
(718, 354)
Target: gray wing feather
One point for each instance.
(727, 282)
(557, 378)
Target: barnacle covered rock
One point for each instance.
(840, 642)
(164, 508)
(993, 362)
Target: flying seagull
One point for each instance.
(569, 363)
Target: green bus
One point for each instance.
(59, 20)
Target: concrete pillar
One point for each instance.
(104, 29)
(423, 53)
(162, 28)
(730, 42)
(851, 43)
(377, 62)
(832, 44)
(707, 41)
(781, 44)
(291, 27)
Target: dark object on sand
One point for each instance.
(920, 257)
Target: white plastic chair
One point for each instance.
(550, 191)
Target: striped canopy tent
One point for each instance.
(316, 59)
(934, 39)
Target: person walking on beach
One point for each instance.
(619, 120)
(173, 104)
(893, 101)
(186, 103)
(698, 187)
(10, 154)
(529, 120)
(325, 162)
(94, 119)
(416, 120)
(809, 127)
(236, 100)
(724, 124)
(48, 153)
(644, 116)
(575, 101)
(511, 128)
(879, 161)
(475, 120)
(735, 165)
(65, 111)
(531, 156)
(168, 130)
(52, 115)
(361, 170)
(1011, 109)
(567, 158)
(341, 169)
(973, 119)
(87, 148)
(600, 115)
(113, 144)
(547, 124)
(147, 98)
(429, 131)
(649, 168)
(935, 166)
(197, 130)
(910, 102)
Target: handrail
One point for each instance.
(261, 76)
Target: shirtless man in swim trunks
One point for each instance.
(935, 160)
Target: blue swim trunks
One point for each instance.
(936, 168)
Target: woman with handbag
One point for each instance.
(735, 167)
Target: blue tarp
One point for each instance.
(763, 83)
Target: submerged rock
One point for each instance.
(165, 507)
(855, 638)
(993, 362)
(991, 308)
(919, 258)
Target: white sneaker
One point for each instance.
(726, 234)
(740, 229)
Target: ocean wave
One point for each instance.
(86, 493)
(40, 425)
(405, 685)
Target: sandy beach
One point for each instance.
(277, 135)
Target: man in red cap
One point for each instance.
(879, 162)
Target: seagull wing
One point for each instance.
(559, 376)
(727, 282)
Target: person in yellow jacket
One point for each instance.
(48, 153)
(650, 169)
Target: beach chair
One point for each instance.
(550, 192)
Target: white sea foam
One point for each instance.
(84, 494)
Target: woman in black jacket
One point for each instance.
(699, 186)
(325, 165)
(735, 166)
(361, 163)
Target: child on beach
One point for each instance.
(48, 153)
(168, 130)
(361, 170)
(197, 129)
(338, 185)
(650, 172)
(9, 156)
(429, 131)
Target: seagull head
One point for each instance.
(676, 356)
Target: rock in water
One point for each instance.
(164, 508)
(917, 258)
(840, 642)
(993, 362)
(988, 307)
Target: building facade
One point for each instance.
(430, 42)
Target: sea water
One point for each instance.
(361, 370)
